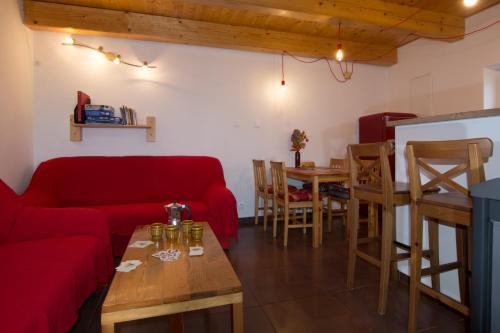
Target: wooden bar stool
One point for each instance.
(453, 208)
(371, 161)
(288, 200)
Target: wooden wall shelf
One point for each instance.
(75, 130)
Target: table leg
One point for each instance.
(316, 212)
(108, 328)
(176, 323)
(237, 310)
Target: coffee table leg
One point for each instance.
(237, 317)
(108, 328)
(176, 323)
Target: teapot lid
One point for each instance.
(174, 204)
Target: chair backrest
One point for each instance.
(369, 163)
(260, 176)
(279, 179)
(464, 156)
(308, 164)
(338, 163)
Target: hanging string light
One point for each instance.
(339, 55)
(111, 56)
(283, 85)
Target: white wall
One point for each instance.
(16, 90)
(453, 71)
(207, 101)
(491, 90)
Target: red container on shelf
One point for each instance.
(373, 128)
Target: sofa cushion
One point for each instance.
(123, 219)
(270, 188)
(45, 282)
(300, 195)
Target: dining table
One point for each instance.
(317, 175)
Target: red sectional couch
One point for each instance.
(132, 190)
(52, 260)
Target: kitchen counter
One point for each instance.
(446, 117)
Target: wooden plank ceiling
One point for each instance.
(371, 30)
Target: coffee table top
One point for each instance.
(155, 282)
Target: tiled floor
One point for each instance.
(298, 289)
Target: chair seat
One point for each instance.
(453, 200)
(399, 188)
(300, 195)
(338, 191)
(322, 187)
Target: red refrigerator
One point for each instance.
(373, 128)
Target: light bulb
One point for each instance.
(69, 41)
(117, 60)
(145, 65)
(340, 54)
(470, 3)
(283, 85)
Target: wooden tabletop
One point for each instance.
(155, 282)
(317, 171)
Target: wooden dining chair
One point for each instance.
(337, 193)
(288, 200)
(262, 191)
(452, 208)
(370, 162)
(340, 193)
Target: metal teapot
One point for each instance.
(174, 211)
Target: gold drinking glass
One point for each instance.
(197, 232)
(156, 230)
(186, 227)
(172, 232)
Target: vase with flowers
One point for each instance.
(299, 139)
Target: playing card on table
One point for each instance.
(195, 251)
(128, 265)
(141, 244)
(167, 255)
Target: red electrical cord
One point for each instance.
(399, 44)
(313, 61)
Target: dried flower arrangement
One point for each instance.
(299, 139)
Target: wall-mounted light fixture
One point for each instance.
(111, 56)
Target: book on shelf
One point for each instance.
(98, 107)
(99, 113)
(104, 120)
(128, 115)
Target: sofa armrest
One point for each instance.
(33, 223)
(222, 206)
(38, 198)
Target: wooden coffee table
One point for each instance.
(158, 288)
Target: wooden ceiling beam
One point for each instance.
(85, 20)
(374, 12)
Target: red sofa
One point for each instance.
(52, 260)
(132, 190)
